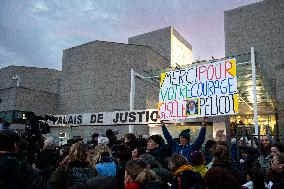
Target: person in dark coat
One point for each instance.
(208, 150)
(77, 159)
(249, 159)
(48, 159)
(110, 134)
(122, 154)
(265, 153)
(218, 177)
(183, 147)
(131, 140)
(158, 149)
(277, 171)
(222, 160)
(14, 173)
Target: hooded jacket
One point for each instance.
(106, 167)
(161, 153)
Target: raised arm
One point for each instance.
(167, 135)
(201, 137)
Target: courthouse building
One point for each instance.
(96, 76)
(260, 25)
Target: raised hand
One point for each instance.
(162, 123)
(205, 121)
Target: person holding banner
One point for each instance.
(183, 146)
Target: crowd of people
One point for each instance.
(106, 162)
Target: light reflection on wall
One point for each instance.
(180, 54)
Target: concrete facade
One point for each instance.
(167, 42)
(260, 25)
(96, 76)
(40, 79)
(158, 40)
(38, 90)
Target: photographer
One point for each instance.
(35, 127)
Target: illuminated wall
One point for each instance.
(263, 121)
(180, 53)
(168, 43)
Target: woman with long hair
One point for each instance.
(104, 162)
(137, 174)
(222, 159)
(76, 167)
(130, 140)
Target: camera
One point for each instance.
(37, 125)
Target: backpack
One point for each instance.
(79, 175)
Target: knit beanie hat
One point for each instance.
(185, 134)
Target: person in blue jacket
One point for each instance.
(183, 146)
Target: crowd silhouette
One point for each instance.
(159, 162)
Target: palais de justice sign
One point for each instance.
(202, 90)
(135, 117)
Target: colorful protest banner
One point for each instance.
(202, 90)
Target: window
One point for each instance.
(14, 116)
(9, 116)
(62, 135)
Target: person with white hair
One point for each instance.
(103, 140)
(51, 143)
(48, 159)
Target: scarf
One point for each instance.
(183, 168)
